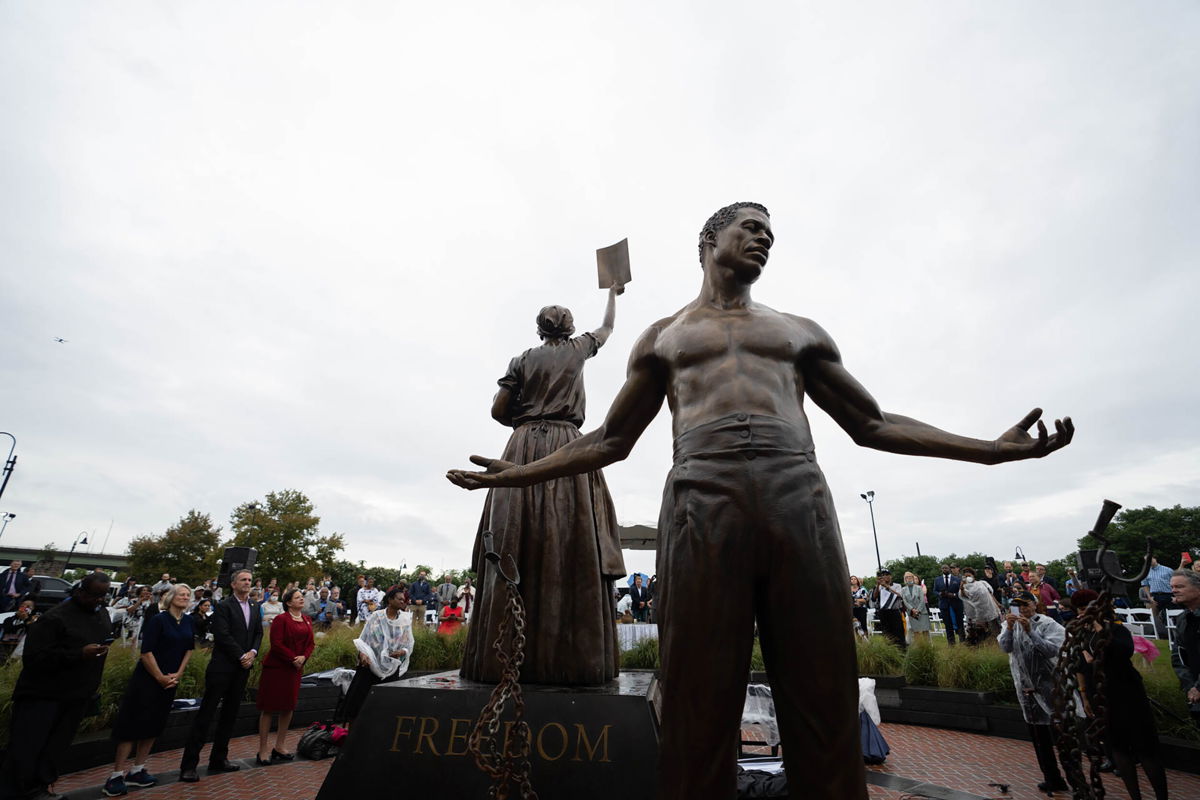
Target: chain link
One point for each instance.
(1075, 738)
(505, 758)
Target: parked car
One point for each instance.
(48, 592)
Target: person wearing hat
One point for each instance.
(889, 607)
(1032, 641)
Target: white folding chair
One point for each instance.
(1141, 620)
(1172, 616)
(937, 626)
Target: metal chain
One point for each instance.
(505, 758)
(1077, 739)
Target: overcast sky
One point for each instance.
(293, 245)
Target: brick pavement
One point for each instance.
(963, 761)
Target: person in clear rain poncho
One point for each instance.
(384, 648)
(1032, 642)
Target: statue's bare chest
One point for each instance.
(702, 337)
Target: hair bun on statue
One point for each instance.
(555, 322)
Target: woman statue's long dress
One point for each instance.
(563, 533)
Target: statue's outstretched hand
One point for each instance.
(494, 476)
(1016, 444)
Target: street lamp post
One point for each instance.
(870, 498)
(80, 539)
(10, 463)
(6, 517)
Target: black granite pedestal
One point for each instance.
(586, 742)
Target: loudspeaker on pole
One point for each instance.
(235, 558)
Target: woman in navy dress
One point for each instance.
(167, 642)
(279, 688)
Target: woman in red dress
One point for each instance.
(279, 688)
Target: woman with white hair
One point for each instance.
(916, 607)
(167, 642)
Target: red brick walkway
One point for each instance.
(963, 761)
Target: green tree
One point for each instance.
(1173, 530)
(344, 574)
(188, 550)
(47, 553)
(284, 531)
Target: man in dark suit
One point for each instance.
(236, 627)
(946, 588)
(640, 596)
(13, 584)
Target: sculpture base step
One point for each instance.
(586, 742)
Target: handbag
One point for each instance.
(320, 740)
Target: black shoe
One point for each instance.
(278, 756)
(1050, 788)
(227, 766)
(189, 776)
(260, 762)
(1107, 766)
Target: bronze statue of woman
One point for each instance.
(562, 533)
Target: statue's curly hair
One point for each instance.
(722, 218)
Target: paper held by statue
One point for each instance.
(612, 263)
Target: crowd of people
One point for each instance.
(64, 650)
(1025, 612)
(971, 603)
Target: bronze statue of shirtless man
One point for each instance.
(745, 507)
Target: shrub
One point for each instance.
(878, 656)
(920, 663)
(643, 655)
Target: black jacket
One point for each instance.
(54, 665)
(231, 639)
(1185, 655)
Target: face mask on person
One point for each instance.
(967, 579)
(909, 582)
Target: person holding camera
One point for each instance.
(1032, 641)
(889, 607)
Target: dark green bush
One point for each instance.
(643, 655)
(878, 656)
(920, 664)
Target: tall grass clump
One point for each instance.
(920, 663)
(437, 652)
(878, 656)
(983, 668)
(643, 655)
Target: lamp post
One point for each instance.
(6, 517)
(10, 463)
(80, 539)
(869, 496)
